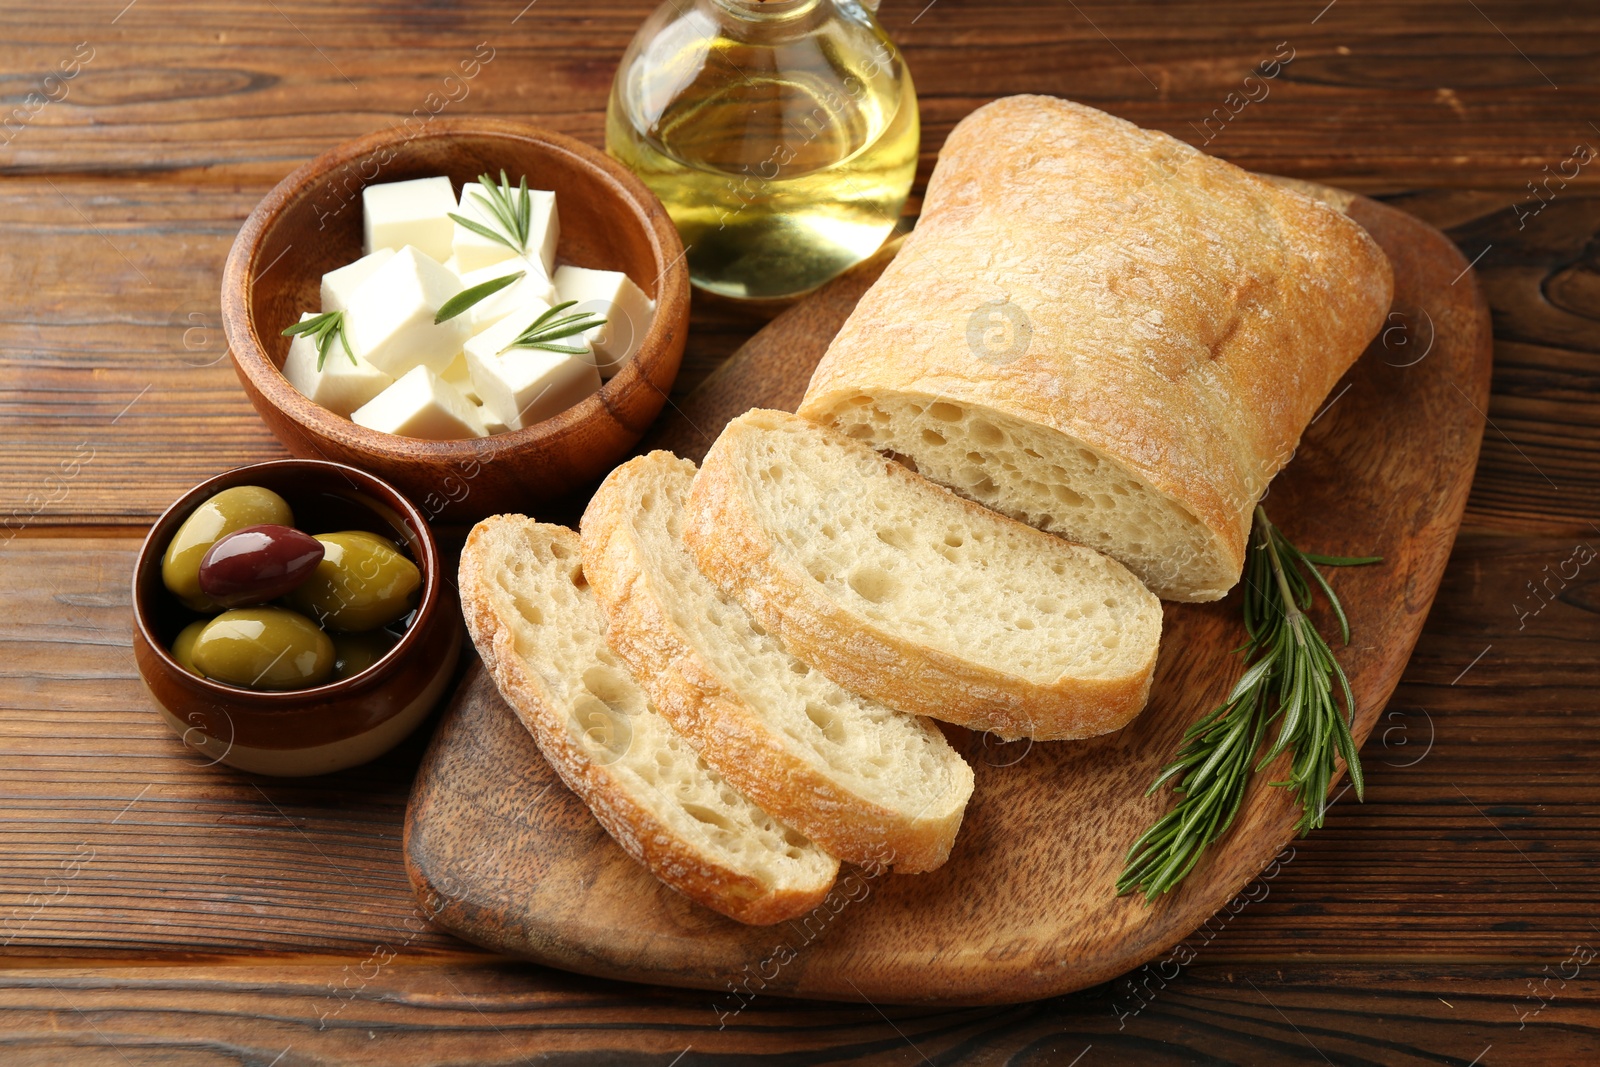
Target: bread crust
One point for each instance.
(676, 862)
(753, 755)
(737, 553)
(1187, 318)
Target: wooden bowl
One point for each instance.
(311, 223)
(327, 727)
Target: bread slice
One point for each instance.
(1103, 332)
(900, 590)
(867, 783)
(539, 630)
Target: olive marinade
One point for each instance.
(283, 609)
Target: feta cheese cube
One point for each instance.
(339, 285)
(497, 338)
(534, 290)
(474, 251)
(522, 386)
(611, 295)
(459, 376)
(419, 404)
(340, 386)
(491, 424)
(390, 317)
(414, 213)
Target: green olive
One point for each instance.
(354, 653)
(230, 510)
(183, 645)
(264, 648)
(362, 583)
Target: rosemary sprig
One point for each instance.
(553, 326)
(468, 297)
(511, 211)
(322, 330)
(1289, 681)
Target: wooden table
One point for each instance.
(153, 910)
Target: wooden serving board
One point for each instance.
(505, 856)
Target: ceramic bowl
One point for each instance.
(311, 223)
(327, 727)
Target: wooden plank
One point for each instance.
(194, 109)
(210, 861)
(117, 393)
(385, 1008)
(116, 838)
(215, 92)
(111, 355)
(113, 301)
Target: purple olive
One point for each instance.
(258, 564)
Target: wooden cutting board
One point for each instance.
(503, 855)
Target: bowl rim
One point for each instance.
(671, 296)
(277, 700)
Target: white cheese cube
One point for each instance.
(459, 376)
(534, 290)
(338, 286)
(491, 424)
(390, 318)
(474, 251)
(419, 404)
(415, 213)
(522, 386)
(611, 295)
(340, 386)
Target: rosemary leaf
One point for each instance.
(510, 212)
(483, 231)
(468, 297)
(344, 341)
(322, 329)
(552, 326)
(524, 209)
(501, 214)
(1338, 561)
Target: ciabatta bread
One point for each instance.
(539, 631)
(869, 784)
(1103, 332)
(900, 590)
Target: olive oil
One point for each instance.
(781, 137)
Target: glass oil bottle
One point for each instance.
(782, 136)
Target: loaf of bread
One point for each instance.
(537, 626)
(1105, 333)
(902, 591)
(871, 785)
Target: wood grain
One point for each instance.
(380, 1010)
(1448, 102)
(1026, 906)
(1428, 94)
(117, 839)
(123, 365)
(78, 347)
(204, 864)
(189, 112)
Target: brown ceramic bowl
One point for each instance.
(328, 727)
(311, 223)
